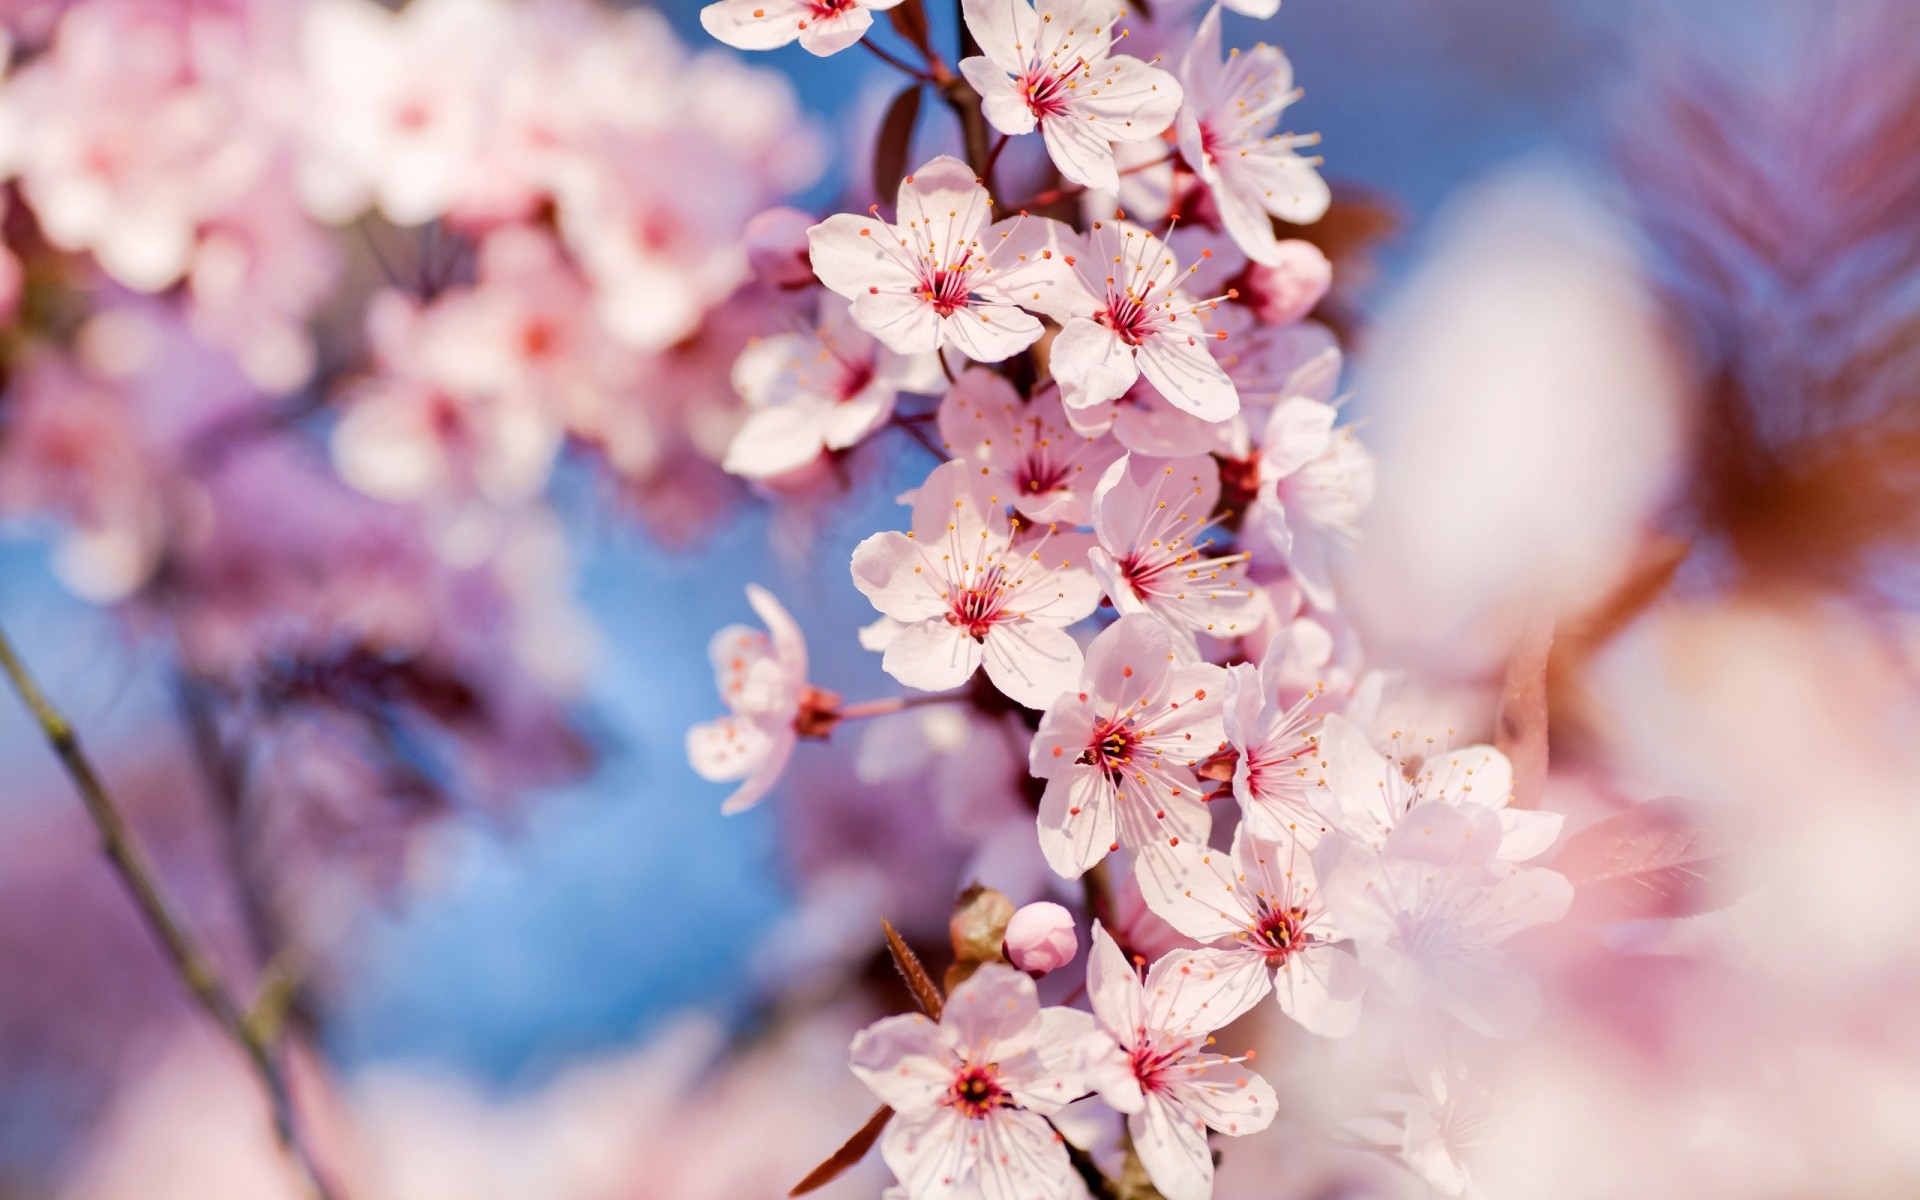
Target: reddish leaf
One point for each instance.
(854, 1149)
(895, 142)
(1665, 858)
(909, 20)
(921, 984)
(1521, 731)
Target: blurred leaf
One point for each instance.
(1521, 731)
(852, 1151)
(909, 20)
(925, 994)
(1662, 859)
(895, 142)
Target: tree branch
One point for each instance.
(183, 951)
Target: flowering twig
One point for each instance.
(189, 959)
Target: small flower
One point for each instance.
(971, 1094)
(763, 679)
(1277, 769)
(1315, 481)
(1152, 517)
(1028, 448)
(1162, 1026)
(1428, 911)
(1128, 318)
(969, 592)
(822, 388)
(1040, 938)
(821, 27)
(1261, 902)
(1118, 757)
(942, 275)
(1227, 135)
(1047, 66)
(1368, 795)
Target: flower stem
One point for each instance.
(897, 63)
(190, 960)
(894, 704)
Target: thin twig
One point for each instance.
(897, 63)
(189, 960)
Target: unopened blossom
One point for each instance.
(821, 388)
(1428, 910)
(1027, 447)
(820, 26)
(1048, 66)
(1276, 770)
(1368, 795)
(971, 588)
(1153, 518)
(1163, 1025)
(1315, 481)
(1227, 135)
(1261, 902)
(1118, 755)
(1286, 289)
(762, 676)
(777, 247)
(1130, 317)
(943, 273)
(972, 1092)
(1040, 938)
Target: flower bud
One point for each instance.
(1287, 291)
(979, 924)
(1040, 938)
(777, 247)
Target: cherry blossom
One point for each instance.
(1130, 318)
(1227, 134)
(1315, 481)
(1262, 903)
(763, 679)
(943, 274)
(1162, 1025)
(971, 588)
(1047, 65)
(1449, 1113)
(820, 26)
(821, 388)
(1428, 910)
(1028, 448)
(1276, 771)
(1368, 795)
(1152, 518)
(1286, 289)
(1118, 756)
(972, 1093)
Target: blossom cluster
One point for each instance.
(1121, 577)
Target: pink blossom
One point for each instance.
(1427, 913)
(1047, 65)
(822, 388)
(1029, 448)
(942, 274)
(1262, 903)
(1162, 1025)
(1152, 518)
(777, 247)
(1287, 289)
(1368, 795)
(1315, 481)
(1040, 938)
(1118, 756)
(970, 589)
(822, 27)
(763, 679)
(1227, 135)
(1130, 317)
(971, 1094)
(1276, 773)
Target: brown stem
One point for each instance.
(189, 959)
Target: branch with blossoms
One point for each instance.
(1130, 543)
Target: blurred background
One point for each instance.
(1630, 300)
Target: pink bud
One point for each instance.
(777, 247)
(1040, 938)
(1287, 291)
